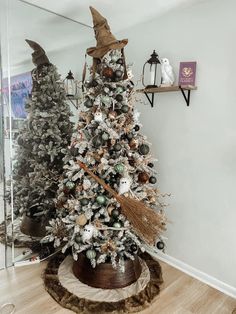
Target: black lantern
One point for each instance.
(155, 72)
(70, 85)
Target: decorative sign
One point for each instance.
(21, 86)
(187, 73)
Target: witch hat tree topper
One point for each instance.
(106, 41)
(38, 56)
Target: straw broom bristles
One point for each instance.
(147, 223)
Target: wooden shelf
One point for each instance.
(164, 89)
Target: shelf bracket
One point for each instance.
(151, 100)
(186, 95)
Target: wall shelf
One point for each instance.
(185, 90)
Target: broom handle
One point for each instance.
(99, 180)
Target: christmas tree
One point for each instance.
(108, 206)
(42, 142)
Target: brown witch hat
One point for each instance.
(105, 39)
(38, 56)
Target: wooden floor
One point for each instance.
(180, 294)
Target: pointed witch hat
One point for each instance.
(38, 56)
(105, 39)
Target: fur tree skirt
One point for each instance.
(80, 305)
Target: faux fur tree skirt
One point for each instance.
(81, 305)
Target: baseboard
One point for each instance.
(209, 280)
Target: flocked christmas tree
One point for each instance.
(42, 142)
(108, 206)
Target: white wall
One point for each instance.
(196, 146)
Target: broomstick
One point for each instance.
(145, 221)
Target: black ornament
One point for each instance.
(129, 136)
(150, 165)
(117, 147)
(119, 97)
(160, 245)
(84, 201)
(115, 213)
(144, 149)
(97, 141)
(118, 73)
(73, 151)
(88, 103)
(133, 248)
(136, 128)
(152, 180)
(124, 108)
(120, 61)
(94, 83)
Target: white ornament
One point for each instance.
(98, 116)
(124, 185)
(86, 184)
(88, 232)
(167, 73)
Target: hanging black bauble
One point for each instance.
(74, 151)
(117, 147)
(160, 245)
(152, 180)
(136, 128)
(133, 247)
(115, 213)
(84, 201)
(94, 83)
(118, 73)
(144, 149)
(150, 165)
(88, 103)
(129, 136)
(124, 109)
(120, 61)
(20, 140)
(119, 97)
(97, 141)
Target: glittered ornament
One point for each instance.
(106, 100)
(107, 72)
(105, 136)
(133, 144)
(84, 201)
(120, 61)
(91, 254)
(74, 151)
(129, 136)
(152, 180)
(78, 238)
(124, 109)
(117, 147)
(144, 149)
(112, 114)
(97, 141)
(88, 103)
(115, 213)
(118, 74)
(160, 245)
(101, 199)
(136, 128)
(143, 177)
(119, 168)
(70, 185)
(81, 220)
(117, 225)
(119, 90)
(119, 97)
